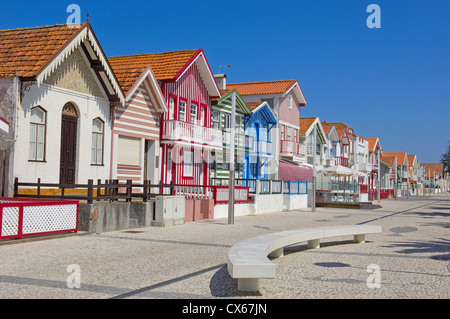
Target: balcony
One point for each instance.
(182, 132)
(292, 147)
(343, 161)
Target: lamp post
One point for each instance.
(231, 177)
(313, 204)
(379, 177)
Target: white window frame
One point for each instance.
(38, 132)
(215, 122)
(184, 104)
(188, 163)
(97, 142)
(194, 110)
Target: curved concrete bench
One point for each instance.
(248, 260)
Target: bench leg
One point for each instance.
(360, 239)
(248, 284)
(314, 243)
(277, 253)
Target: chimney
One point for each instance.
(221, 80)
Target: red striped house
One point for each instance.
(186, 136)
(135, 131)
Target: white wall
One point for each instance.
(292, 202)
(52, 99)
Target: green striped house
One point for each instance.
(221, 119)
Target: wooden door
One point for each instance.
(69, 124)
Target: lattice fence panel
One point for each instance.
(42, 219)
(10, 221)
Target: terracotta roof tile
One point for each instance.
(326, 127)
(400, 156)
(340, 127)
(411, 159)
(372, 142)
(256, 88)
(24, 51)
(433, 167)
(305, 123)
(164, 65)
(388, 160)
(253, 105)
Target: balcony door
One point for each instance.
(69, 123)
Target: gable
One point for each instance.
(190, 86)
(74, 74)
(225, 102)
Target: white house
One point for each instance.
(60, 90)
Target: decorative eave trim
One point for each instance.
(297, 92)
(50, 66)
(85, 33)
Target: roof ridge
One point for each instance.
(261, 82)
(37, 27)
(147, 54)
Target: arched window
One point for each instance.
(38, 123)
(97, 142)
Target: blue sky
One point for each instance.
(392, 83)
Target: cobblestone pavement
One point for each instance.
(189, 261)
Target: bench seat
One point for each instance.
(248, 260)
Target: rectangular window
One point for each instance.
(97, 142)
(193, 113)
(290, 101)
(188, 158)
(226, 120)
(182, 111)
(129, 151)
(282, 131)
(237, 123)
(37, 134)
(215, 119)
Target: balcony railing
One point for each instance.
(292, 147)
(186, 132)
(343, 161)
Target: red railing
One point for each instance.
(343, 161)
(22, 217)
(221, 194)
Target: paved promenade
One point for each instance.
(189, 261)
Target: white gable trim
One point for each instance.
(85, 34)
(208, 78)
(297, 92)
(147, 78)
